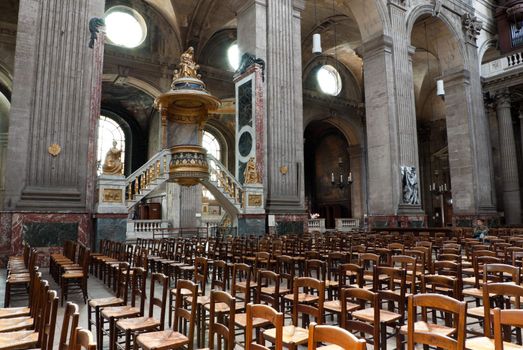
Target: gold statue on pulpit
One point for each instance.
(113, 161)
(188, 68)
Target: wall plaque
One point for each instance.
(112, 195)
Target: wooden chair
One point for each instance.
(355, 299)
(242, 283)
(133, 326)
(431, 334)
(222, 302)
(42, 335)
(270, 315)
(293, 335)
(350, 276)
(509, 318)
(506, 296)
(20, 281)
(115, 313)
(69, 324)
(95, 305)
(75, 280)
(173, 338)
(334, 335)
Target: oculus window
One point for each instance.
(233, 56)
(329, 80)
(108, 131)
(125, 27)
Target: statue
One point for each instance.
(113, 163)
(410, 185)
(188, 68)
(250, 175)
(94, 24)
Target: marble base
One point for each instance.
(254, 200)
(251, 225)
(397, 221)
(109, 226)
(111, 194)
(466, 220)
(47, 232)
(283, 224)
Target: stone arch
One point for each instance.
(451, 24)
(140, 84)
(371, 16)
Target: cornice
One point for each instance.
(323, 100)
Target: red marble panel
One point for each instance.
(12, 224)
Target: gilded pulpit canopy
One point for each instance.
(113, 161)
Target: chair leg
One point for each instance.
(89, 317)
(62, 291)
(7, 294)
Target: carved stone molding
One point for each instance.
(471, 26)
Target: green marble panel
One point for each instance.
(49, 234)
(289, 227)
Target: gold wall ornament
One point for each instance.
(112, 195)
(113, 161)
(54, 149)
(250, 175)
(284, 170)
(255, 200)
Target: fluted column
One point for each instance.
(509, 167)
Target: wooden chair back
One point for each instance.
(350, 274)
(506, 295)
(183, 314)
(84, 340)
(201, 272)
(409, 264)
(220, 275)
(440, 284)
(334, 335)
(70, 322)
(267, 313)
(138, 288)
(439, 302)
(286, 268)
(308, 285)
(223, 331)
(505, 318)
(46, 332)
(158, 280)
(268, 288)
(241, 281)
(316, 268)
(363, 298)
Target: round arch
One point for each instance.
(141, 85)
(452, 28)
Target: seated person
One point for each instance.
(480, 230)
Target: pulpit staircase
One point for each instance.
(150, 176)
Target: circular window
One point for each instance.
(329, 80)
(233, 54)
(125, 27)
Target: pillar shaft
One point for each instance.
(55, 90)
(509, 167)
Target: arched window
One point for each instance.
(233, 56)
(108, 131)
(211, 144)
(125, 27)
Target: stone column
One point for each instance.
(271, 30)
(521, 126)
(509, 167)
(405, 108)
(54, 83)
(55, 107)
(382, 132)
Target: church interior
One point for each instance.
(261, 174)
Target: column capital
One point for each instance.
(503, 98)
(298, 5)
(453, 77)
(243, 5)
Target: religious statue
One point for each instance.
(410, 185)
(250, 175)
(113, 163)
(188, 68)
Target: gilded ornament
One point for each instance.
(112, 195)
(113, 163)
(284, 170)
(250, 175)
(255, 200)
(188, 68)
(54, 149)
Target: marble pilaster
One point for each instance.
(55, 82)
(509, 167)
